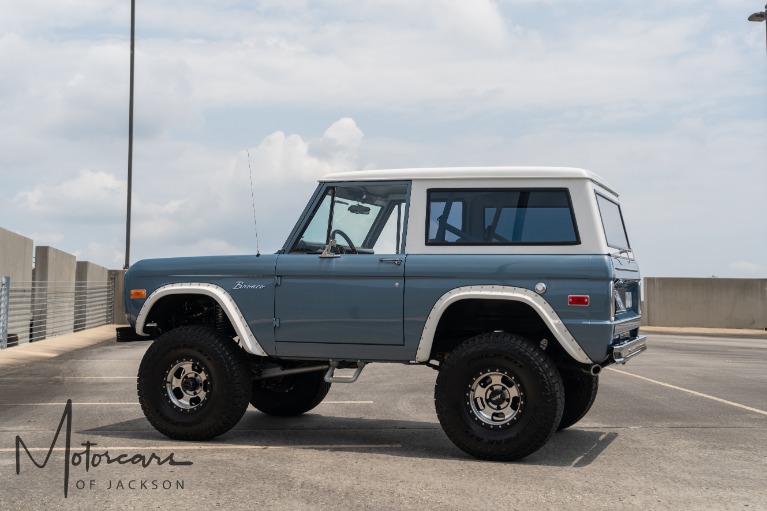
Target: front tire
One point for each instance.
(194, 383)
(290, 395)
(499, 397)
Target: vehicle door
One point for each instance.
(342, 278)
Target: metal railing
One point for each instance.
(4, 302)
(32, 311)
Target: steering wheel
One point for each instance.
(345, 237)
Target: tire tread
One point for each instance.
(512, 348)
(236, 389)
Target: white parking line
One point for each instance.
(62, 404)
(136, 403)
(51, 377)
(694, 393)
(346, 403)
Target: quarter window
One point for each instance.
(612, 222)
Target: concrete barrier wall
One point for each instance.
(705, 303)
(56, 294)
(16, 263)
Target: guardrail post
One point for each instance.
(110, 301)
(5, 286)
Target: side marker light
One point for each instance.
(578, 300)
(137, 294)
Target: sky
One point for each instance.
(666, 99)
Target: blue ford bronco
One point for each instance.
(518, 285)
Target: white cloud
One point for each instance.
(91, 196)
(668, 105)
(200, 205)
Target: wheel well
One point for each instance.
(467, 318)
(187, 309)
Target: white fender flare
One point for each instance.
(518, 294)
(241, 328)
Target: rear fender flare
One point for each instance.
(531, 298)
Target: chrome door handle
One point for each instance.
(395, 260)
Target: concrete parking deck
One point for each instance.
(681, 427)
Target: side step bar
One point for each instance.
(331, 378)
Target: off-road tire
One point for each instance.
(194, 355)
(464, 397)
(580, 393)
(289, 395)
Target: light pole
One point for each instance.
(760, 16)
(130, 134)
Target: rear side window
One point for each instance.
(612, 221)
(501, 217)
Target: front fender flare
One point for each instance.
(534, 300)
(219, 294)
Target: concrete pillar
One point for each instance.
(93, 296)
(118, 276)
(54, 276)
(16, 263)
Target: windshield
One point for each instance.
(612, 222)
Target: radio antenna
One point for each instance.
(253, 199)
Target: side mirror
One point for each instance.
(330, 251)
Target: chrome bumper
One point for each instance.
(631, 348)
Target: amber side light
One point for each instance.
(137, 293)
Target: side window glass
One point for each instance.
(314, 236)
(445, 220)
(390, 239)
(361, 219)
(503, 217)
(612, 222)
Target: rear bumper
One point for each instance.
(628, 349)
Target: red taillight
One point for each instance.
(582, 300)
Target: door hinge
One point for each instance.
(276, 323)
(277, 281)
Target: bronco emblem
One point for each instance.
(241, 285)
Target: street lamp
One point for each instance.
(130, 134)
(760, 16)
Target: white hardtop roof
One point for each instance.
(469, 173)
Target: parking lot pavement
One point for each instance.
(683, 426)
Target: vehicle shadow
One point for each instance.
(574, 447)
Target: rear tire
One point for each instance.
(290, 395)
(580, 393)
(194, 383)
(499, 397)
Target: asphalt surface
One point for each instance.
(683, 426)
